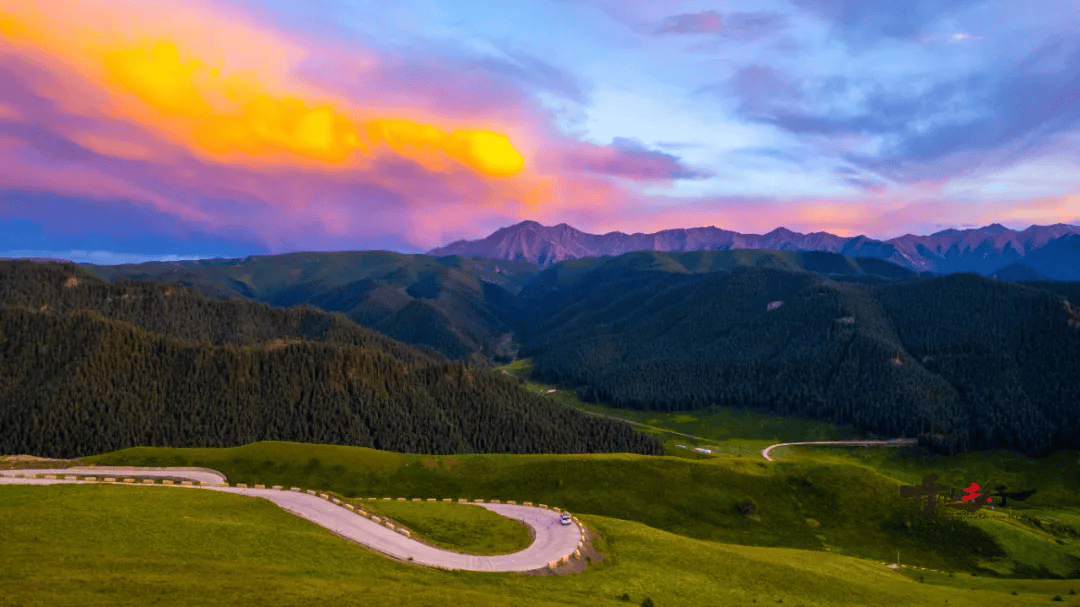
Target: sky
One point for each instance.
(167, 129)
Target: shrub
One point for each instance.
(625, 596)
(748, 506)
(1057, 597)
(647, 603)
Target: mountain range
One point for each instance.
(454, 306)
(959, 360)
(1037, 253)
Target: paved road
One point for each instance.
(202, 475)
(896, 442)
(553, 540)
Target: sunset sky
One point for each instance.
(161, 129)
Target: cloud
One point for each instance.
(626, 158)
(954, 38)
(871, 185)
(534, 72)
(196, 98)
(306, 155)
(704, 22)
(866, 22)
(928, 132)
(196, 125)
(744, 26)
(758, 88)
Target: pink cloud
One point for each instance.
(692, 23)
(67, 126)
(78, 134)
(23, 169)
(623, 158)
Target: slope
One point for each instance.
(184, 313)
(458, 307)
(959, 361)
(74, 382)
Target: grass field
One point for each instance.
(842, 508)
(826, 519)
(459, 527)
(116, 545)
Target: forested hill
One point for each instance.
(464, 309)
(73, 382)
(461, 308)
(184, 313)
(960, 361)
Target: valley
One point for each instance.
(605, 303)
(812, 522)
(559, 399)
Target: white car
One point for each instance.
(565, 518)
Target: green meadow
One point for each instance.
(459, 527)
(848, 508)
(825, 523)
(125, 545)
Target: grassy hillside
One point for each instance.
(168, 546)
(840, 508)
(459, 527)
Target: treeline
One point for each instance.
(73, 382)
(184, 313)
(961, 362)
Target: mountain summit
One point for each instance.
(1046, 250)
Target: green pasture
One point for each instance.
(458, 527)
(117, 545)
(842, 508)
(826, 521)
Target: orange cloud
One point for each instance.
(490, 153)
(202, 102)
(271, 150)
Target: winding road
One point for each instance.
(896, 442)
(552, 541)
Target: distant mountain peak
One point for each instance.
(524, 224)
(1043, 249)
(948, 232)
